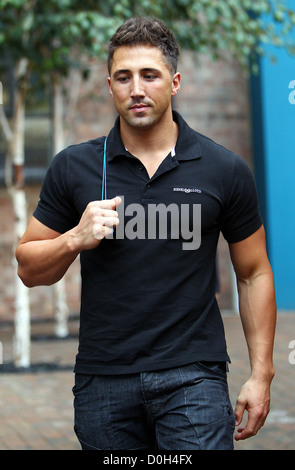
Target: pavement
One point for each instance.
(36, 403)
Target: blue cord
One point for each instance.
(104, 173)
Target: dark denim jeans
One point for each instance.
(182, 408)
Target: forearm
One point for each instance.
(44, 262)
(258, 315)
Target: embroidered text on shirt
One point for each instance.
(188, 190)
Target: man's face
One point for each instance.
(141, 85)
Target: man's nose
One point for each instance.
(137, 88)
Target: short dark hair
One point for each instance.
(145, 31)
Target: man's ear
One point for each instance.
(110, 87)
(176, 83)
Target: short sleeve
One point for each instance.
(55, 208)
(241, 216)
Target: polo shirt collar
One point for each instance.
(187, 145)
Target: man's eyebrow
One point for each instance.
(119, 72)
(151, 69)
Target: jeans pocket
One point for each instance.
(82, 381)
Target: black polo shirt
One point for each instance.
(148, 292)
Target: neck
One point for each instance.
(157, 140)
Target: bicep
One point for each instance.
(249, 256)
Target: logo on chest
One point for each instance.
(187, 190)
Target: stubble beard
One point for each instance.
(145, 120)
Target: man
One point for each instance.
(151, 366)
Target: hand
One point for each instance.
(97, 222)
(255, 398)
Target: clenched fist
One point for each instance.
(97, 222)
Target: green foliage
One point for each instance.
(58, 34)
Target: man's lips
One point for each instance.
(139, 107)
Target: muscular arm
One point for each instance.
(258, 314)
(44, 255)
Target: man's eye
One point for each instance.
(122, 79)
(150, 77)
